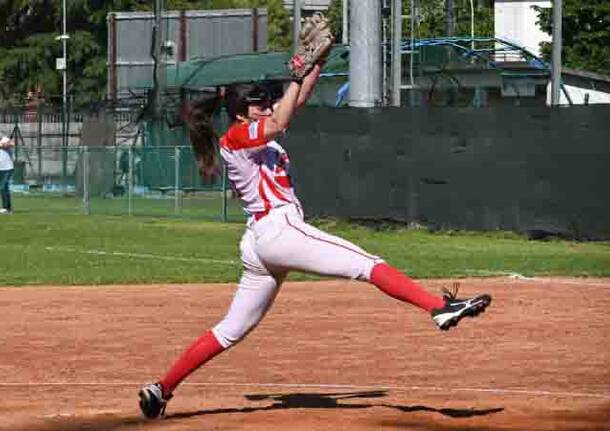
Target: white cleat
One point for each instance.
(455, 309)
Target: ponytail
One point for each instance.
(197, 116)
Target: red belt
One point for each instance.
(259, 215)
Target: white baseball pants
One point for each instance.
(271, 247)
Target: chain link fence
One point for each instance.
(122, 180)
(106, 161)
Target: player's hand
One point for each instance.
(315, 41)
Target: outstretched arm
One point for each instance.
(279, 120)
(315, 41)
(294, 97)
(309, 83)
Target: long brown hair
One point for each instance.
(197, 116)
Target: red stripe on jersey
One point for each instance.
(263, 195)
(239, 136)
(283, 181)
(278, 194)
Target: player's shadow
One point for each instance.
(330, 401)
(452, 413)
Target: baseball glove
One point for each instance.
(315, 40)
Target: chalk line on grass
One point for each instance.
(140, 255)
(486, 273)
(545, 279)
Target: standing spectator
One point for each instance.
(6, 172)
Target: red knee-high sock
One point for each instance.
(394, 283)
(200, 352)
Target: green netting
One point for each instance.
(212, 72)
(161, 168)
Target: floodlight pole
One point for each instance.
(64, 106)
(65, 75)
(556, 55)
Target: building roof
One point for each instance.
(584, 79)
(309, 4)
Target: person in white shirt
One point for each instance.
(277, 239)
(6, 172)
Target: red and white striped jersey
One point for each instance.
(257, 169)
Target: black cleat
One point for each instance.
(455, 309)
(152, 401)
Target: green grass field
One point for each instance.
(49, 241)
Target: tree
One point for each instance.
(28, 45)
(29, 48)
(586, 34)
(431, 18)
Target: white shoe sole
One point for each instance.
(477, 306)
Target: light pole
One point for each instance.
(62, 64)
(64, 40)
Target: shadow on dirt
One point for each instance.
(95, 423)
(452, 413)
(278, 402)
(330, 401)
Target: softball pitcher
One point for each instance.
(277, 240)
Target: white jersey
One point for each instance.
(278, 241)
(6, 160)
(257, 169)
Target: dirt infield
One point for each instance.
(334, 355)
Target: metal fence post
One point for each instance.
(86, 200)
(130, 183)
(176, 178)
(224, 122)
(224, 193)
(39, 143)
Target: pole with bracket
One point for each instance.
(64, 39)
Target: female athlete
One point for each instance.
(277, 240)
